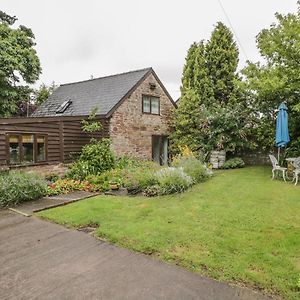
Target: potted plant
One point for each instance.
(114, 184)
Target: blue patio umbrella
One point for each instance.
(282, 129)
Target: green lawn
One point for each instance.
(240, 226)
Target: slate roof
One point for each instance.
(104, 93)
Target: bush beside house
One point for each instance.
(17, 187)
(95, 158)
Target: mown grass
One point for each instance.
(239, 227)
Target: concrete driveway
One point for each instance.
(41, 260)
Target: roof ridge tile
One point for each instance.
(107, 76)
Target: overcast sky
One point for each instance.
(76, 39)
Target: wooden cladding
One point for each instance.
(74, 138)
(62, 136)
(48, 129)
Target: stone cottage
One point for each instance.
(134, 109)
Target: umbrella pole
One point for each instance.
(278, 155)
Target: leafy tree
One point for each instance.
(278, 79)
(31, 98)
(18, 63)
(91, 125)
(41, 94)
(24, 106)
(222, 61)
(227, 128)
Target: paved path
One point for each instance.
(28, 208)
(41, 260)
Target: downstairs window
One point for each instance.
(25, 148)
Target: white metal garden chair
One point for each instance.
(277, 167)
(296, 171)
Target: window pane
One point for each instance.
(156, 149)
(41, 149)
(27, 144)
(155, 106)
(165, 151)
(146, 104)
(14, 149)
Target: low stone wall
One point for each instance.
(43, 170)
(4, 169)
(252, 158)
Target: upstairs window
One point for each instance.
(26, 148)
(151, 105)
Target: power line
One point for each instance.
(234, 32)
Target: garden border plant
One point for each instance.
(18, 187)
(137, 176)
(233, 163)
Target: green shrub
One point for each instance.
(152, 191)
(293, 149)
(52, 177)
(125, 162)
(136, 179)
(192, 167)
(139, 180)
(16, 187)
(103, 181)
(80, 170)
(95, 158)
(99, 182)
(233, 163)
(173, 180)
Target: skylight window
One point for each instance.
(63, 106)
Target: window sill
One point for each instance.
(149, 114)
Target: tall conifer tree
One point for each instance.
(196, 91)
(222, 61)
(202, 82)
(187, 79)
(210, 113)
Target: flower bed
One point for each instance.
(138, 177)
(97, 170)
(65, 186)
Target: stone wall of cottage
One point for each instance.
(131, 131)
